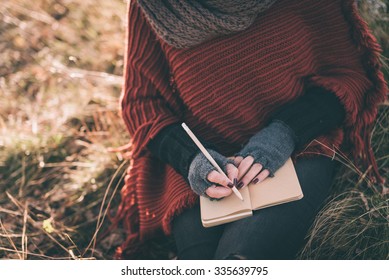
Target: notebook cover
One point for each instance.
(228, 219)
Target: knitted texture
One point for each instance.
(227, 88)
(271, 146)
(201, 167)
(183, 23)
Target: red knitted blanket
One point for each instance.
(226, 89)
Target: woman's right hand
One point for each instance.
(205, 180)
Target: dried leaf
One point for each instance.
(47, 225)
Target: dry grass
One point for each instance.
(61, 66)
(60, 80)
(354, 223)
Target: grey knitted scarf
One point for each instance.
(185, 23)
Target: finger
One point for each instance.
(261, 176)
(218, 178)
(218, 191)
(237, 160)
(244, 166)
(232, 172)
(250, 175)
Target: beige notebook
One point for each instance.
(283, 187)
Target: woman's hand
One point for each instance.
(248, 171)
(265, 153)
(222, 190)
(205, 180)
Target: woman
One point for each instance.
(258, 82)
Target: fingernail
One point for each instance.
(240, 185)
(235, 181)
(230, 185)
(255, 180)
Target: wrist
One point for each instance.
(279, 127)
(200, 168)
(271, 146)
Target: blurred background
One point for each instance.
(60, 80)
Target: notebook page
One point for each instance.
(227, 206)
(281, 188)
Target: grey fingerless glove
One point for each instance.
(200, 167)
(271, 146)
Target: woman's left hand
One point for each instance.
(265, 152)
(248, 171)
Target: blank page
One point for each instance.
(281, 188)
(227, 206)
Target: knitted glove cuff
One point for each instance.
(271, 146)
(199, 169)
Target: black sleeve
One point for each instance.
(173, 145)
(315, 113)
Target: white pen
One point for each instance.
(209, 157)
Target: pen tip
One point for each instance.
(237, 193)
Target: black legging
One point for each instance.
(272, 233)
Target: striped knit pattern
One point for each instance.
(226, 90)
